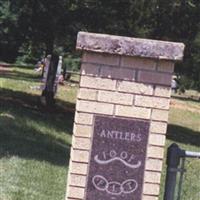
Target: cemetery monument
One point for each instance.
(121, 117)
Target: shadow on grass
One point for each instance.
(16, 75)
(183, 135)
(25, 130)
(30, 143)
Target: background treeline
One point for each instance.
(31, 29)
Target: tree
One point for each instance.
(9, 33)
(180, 21)
(36, 26)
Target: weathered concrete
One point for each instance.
(103, 43)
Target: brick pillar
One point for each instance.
(122, 78)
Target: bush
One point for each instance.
(186, 83)
(71, 63)
(29, 53)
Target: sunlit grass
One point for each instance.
(35, 144)
(184, 129)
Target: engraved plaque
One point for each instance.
(117, 159)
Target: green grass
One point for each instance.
(35, 144)
(184, 129)
(31, 179)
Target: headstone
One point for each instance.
(49, 79)
(47, 61)
(58, 74)
(121, 117)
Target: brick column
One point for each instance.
(127, 78)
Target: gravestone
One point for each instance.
(121, 117)
(58, 74)
(47, 61)
(49, 79)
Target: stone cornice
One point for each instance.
(127, 46)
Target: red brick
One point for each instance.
(117, 73)
(154, 78)
(90, 69)
(100, 58)
(166, 66)
(138, 63)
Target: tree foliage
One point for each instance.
(31, 28)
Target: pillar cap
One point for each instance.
(127, 46)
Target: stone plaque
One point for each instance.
(117, 159)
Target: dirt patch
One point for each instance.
(184, 106)
(4, 69)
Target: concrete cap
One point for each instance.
(127, 46)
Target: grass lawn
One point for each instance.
(35, 144)
(184, 129)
